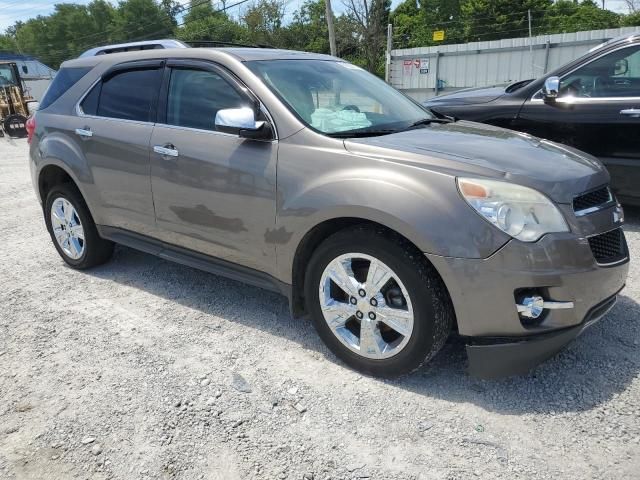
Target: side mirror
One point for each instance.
(551, 89)
(621, 67)
(241, 122)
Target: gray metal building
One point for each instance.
(429, 71)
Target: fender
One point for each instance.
(430, 217)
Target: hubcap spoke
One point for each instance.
(337, 313)
(371, 342)
(68, 211)
(342, 276)
(78, 231)
(397, 319)
(377, 277)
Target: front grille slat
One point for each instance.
(609, 247)
(592, 199)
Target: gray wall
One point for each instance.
(480, 64)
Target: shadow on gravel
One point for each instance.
(598, 365)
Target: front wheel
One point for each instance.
(376, 302)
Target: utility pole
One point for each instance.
(332, 32)
(387, 63)
(533, 73)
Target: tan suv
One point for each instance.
(390, 226)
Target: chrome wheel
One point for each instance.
(366, 305)
(67, 228)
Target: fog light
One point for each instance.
(531, 307)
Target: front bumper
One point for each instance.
(560, 266)
(502, 357)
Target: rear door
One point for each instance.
(598, 112)
(214, 192)
(114, 124)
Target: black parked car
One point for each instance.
(592, 104)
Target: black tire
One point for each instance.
(433, 312)
(96, 249)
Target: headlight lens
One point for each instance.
(521, 212)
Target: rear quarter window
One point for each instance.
(63, 81)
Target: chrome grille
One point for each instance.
(591, 200)
(609, 247)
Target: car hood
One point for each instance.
(474, 149)
(468, 96)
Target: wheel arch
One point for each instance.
(319, 233)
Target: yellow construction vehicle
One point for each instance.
(15, 104)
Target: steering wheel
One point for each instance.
(351, 107)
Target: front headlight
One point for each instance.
(521, 212)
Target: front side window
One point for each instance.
(336, 97)
(616, 74)
(195, 96)
(128, 95)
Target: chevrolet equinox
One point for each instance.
(392, 227)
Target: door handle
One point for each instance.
(166, 150)
(633, 112)
(84, 132)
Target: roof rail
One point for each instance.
(132, 46)
(219, 43)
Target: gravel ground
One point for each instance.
(147, 369)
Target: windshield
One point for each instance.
(336, 98)
(7, 76)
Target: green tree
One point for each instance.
(496, 19)
(370, 17)
(630, 20)
(569, 16)
(410, 28)
(198, 10)
(308, 30)
(264, 21)
(141, 20)
(217, 26)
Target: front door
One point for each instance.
(214, 192)
(598, 111)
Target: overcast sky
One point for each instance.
(14, 10)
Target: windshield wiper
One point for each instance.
(427, 121)
(361, 133)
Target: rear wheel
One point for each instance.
(73, 230)
(376, 302)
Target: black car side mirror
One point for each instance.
(551, 89)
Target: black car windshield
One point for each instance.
(337, 98)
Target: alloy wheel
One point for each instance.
(366, 305)
(67, 228)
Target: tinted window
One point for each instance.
(129, 95)
(63, 81)
(90, 103)
(617, 74)
(195, 96)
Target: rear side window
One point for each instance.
(129, 95)
(63, 81)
